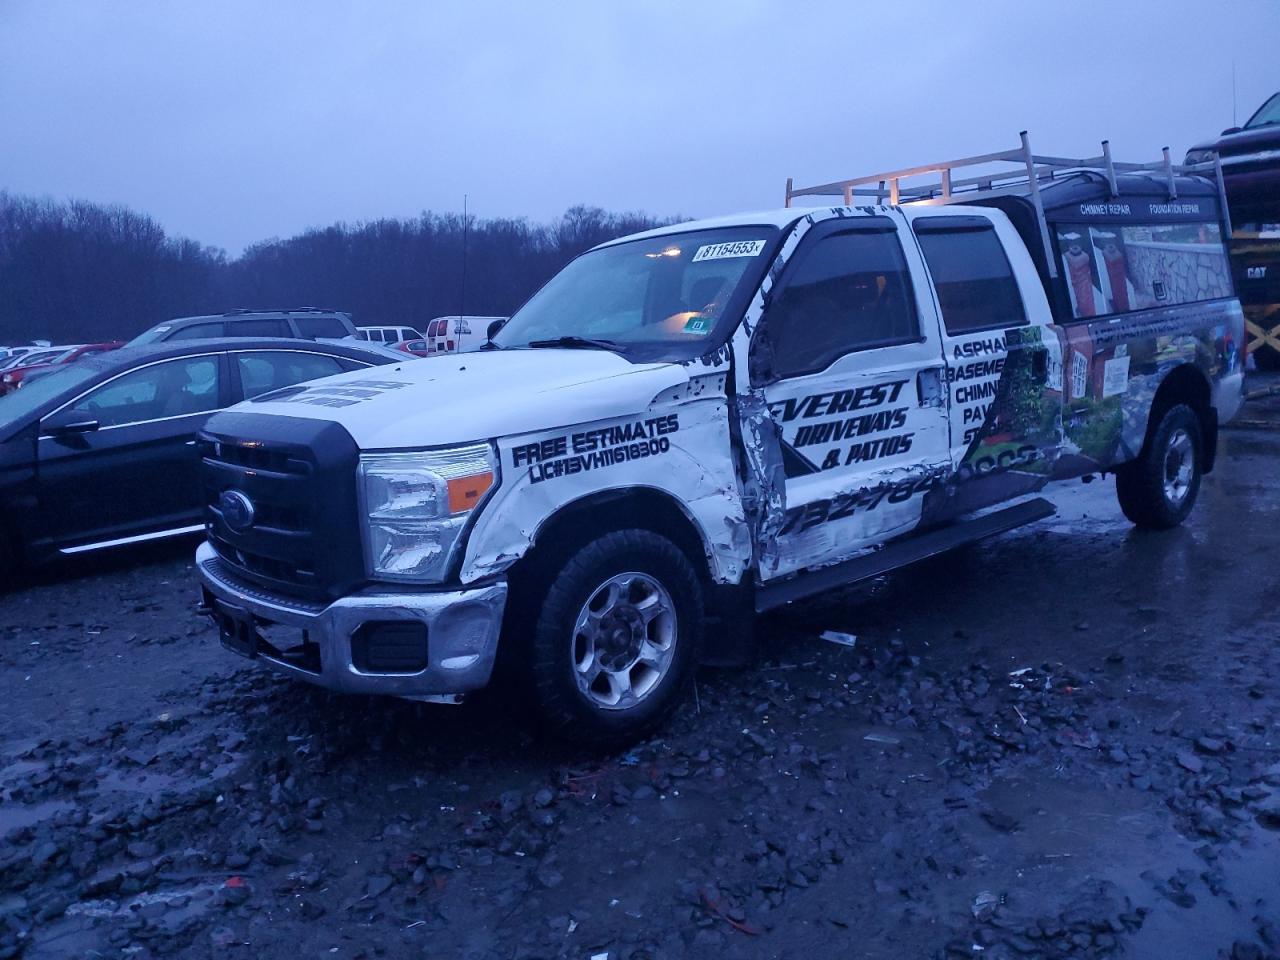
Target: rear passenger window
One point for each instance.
(259, 328)
(975, 283)
(270, 370)
(315, 327)
(849, 291)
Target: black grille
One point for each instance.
(300, 476)
(220, 570)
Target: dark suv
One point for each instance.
(1250, 158)
(301, 323)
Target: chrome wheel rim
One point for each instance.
(624, 641)
(1179, 467)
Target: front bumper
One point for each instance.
(461, 632)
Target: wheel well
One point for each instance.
(578, 523)
(1186, 384)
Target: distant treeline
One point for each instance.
(81, 272)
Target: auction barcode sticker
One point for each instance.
(721, 251)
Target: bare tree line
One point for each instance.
(84, 272)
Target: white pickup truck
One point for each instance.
(694, 424)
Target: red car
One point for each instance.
(419, 348)
(15, 377)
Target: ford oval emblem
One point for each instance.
(236, 509)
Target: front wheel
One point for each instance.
(615, 641)
(1158, 489)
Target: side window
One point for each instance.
(261, 371)
(259, 328)
(1115, 268)
(849, 291)
(362, 334)
(174, 388)
(975, 283)
(315, 327)
(197, 331)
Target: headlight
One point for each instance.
(416, 505)
(1198, 156)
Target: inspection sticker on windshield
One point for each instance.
(722, 251)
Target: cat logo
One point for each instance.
(1257, 273)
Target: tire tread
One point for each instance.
(1140, 483)
(561, 710)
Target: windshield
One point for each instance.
(38, 391)
(1268, 113)
(664, 298)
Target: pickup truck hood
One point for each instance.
(1243, 142)
(474, 396)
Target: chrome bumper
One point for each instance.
(462, 629)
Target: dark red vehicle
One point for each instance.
(13, 379)
(419, 348)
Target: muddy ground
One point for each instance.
(1061, 743)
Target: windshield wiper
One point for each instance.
(576, 342)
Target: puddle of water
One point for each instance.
(14, 816)
(135, 780)
(1251, 885)
(18, 769)
(183, 902)
(1070, 832)
(76, 932)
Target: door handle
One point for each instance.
(929, 386)
(189, 443)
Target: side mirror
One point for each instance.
(66, 423)
(494, 327)
(1230, 130)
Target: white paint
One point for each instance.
(477, 396)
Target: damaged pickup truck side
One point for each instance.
(694, 424)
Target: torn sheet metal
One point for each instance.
(677, 445)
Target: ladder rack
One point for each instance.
(1024, 174)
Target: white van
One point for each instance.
(458, 334)
(387, 334)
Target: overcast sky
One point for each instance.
(232, 121)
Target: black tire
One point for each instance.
(1153, 490)
(557, 647)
